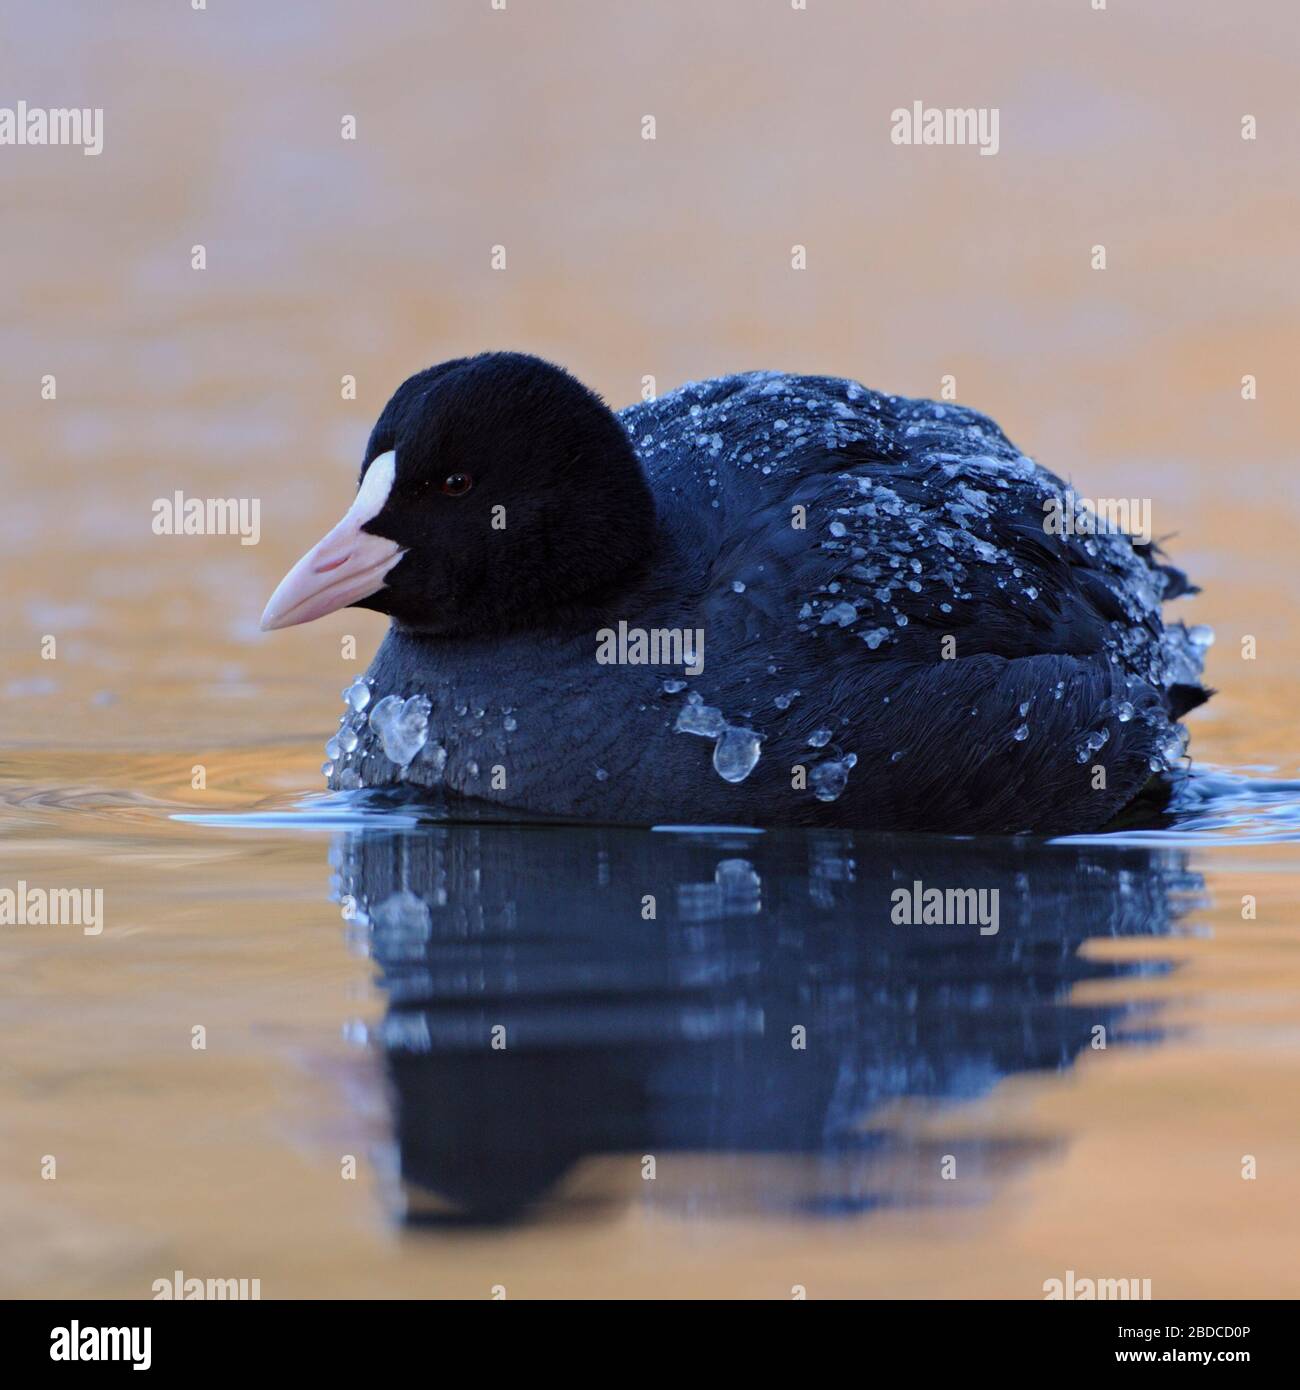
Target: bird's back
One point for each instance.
(895, 561)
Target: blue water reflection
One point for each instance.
(557, 993)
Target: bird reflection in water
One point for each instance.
(726, 1020)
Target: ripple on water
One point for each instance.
(1211, 806)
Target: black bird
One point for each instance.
(762, 599)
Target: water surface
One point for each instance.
(365, 1041)
(768, 1082)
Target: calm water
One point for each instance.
(485, 1018)
(363, 1041)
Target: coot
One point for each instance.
(763, 599)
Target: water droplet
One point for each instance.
(698, 718)
(1124, 711)
(601, 775)
(842, 613)
(735, 753)
(1021, 734)
(402, 726)
(829, 779)
(510, 723)
(819, 738)
(785, 701)
(358, 694)
(737, 586)
(333, 749)
(673, 686)
(1091, 744)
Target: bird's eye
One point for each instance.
(457, 484)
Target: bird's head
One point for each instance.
(495, 490)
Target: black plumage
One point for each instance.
(886, 619)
